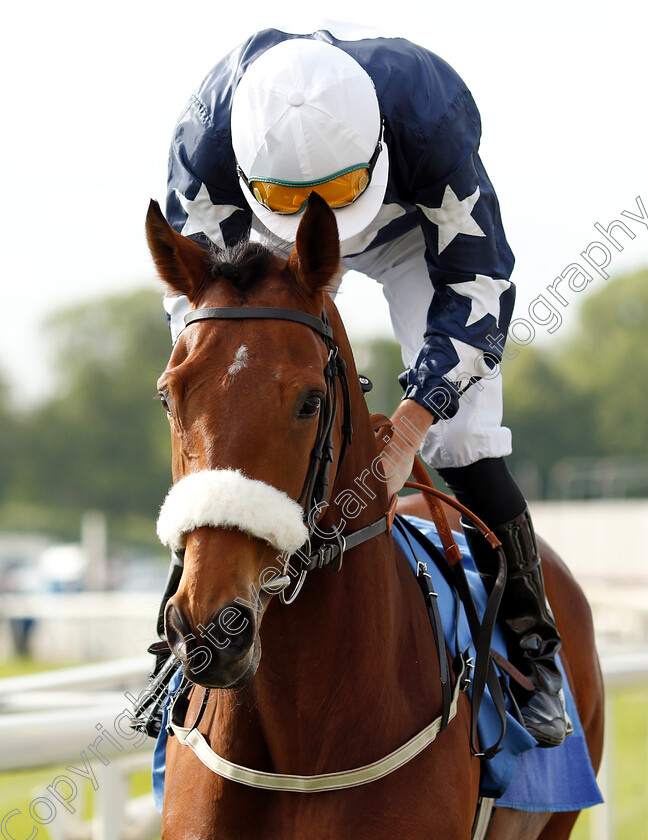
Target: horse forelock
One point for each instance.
(244, 265)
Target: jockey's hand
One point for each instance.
(411, 421)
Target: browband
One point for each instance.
(276, 312)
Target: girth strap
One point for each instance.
(481, 630)
(364, 775)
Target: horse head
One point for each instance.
(248, 401)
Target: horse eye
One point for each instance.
(310, 407)
(165, 404)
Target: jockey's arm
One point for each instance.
(412, 420)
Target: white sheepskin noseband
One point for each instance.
(227, 499)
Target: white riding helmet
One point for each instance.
(305, 116)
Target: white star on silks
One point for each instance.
(466, 368)
(203, 216)
(484, 294)
(453, 217)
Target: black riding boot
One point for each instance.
(529, 625)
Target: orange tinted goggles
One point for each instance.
(339, 191)
(289, 198)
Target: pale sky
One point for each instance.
(90, 95)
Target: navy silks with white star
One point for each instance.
(436, 182)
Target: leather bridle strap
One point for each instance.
(328, 553)
(263, 312)
(364, 775)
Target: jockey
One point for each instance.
(388, 134)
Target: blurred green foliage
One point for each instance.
(585, 397)
(102, 440)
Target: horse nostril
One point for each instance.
(231, 630)
(177, 630)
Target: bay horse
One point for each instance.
(348, 672)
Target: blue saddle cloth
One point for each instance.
(522, 776)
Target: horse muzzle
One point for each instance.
(224, 653)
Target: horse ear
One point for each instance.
(181, 263)
(315, 258)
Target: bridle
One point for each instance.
(314, 494)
